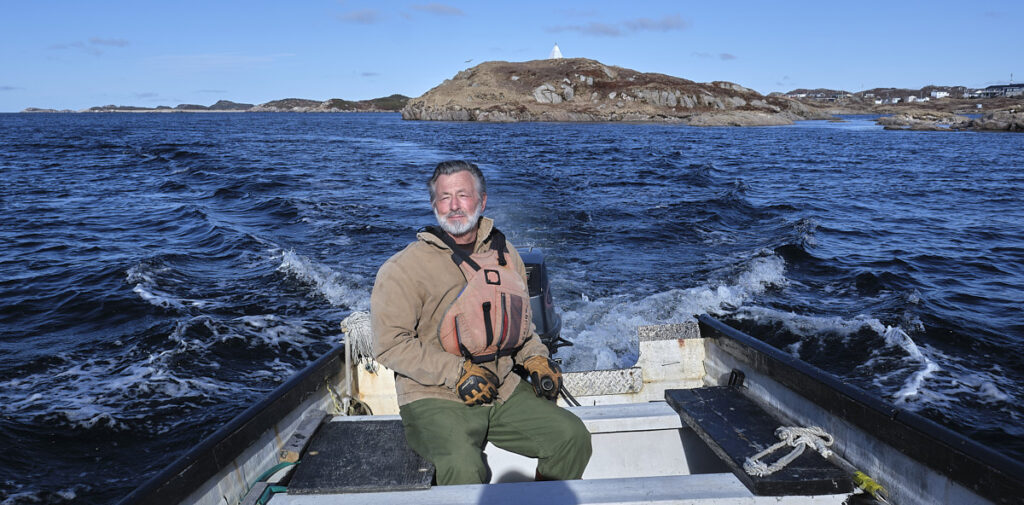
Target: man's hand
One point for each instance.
(477, 385)
(545, 375)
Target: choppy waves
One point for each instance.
(161, 272)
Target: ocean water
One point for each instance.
(160, 272)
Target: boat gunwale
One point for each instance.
(980, 468)
(178, 480)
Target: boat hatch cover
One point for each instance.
(736, 428)
(349, 456)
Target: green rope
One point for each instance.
(274, 469)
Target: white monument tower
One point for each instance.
(556, 53)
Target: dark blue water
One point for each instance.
(160, 272)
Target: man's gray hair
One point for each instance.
(452, 167)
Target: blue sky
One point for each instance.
(75, 54)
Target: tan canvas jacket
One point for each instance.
(413, 290)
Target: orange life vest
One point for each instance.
(491, 316)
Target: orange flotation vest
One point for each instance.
(491, 316)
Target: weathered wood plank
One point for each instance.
(293, 447)
(254, 494)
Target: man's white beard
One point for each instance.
(457, 230)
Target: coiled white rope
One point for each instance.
(359, 339)
(795, 437)
(358, 349)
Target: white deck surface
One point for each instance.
(706, 489)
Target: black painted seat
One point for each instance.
(360, 456)
(737, 428)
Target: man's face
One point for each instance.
(457, 205)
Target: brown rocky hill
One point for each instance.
(391, 103)
(580, 89)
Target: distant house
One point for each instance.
(939, 94)
(1007, 90)
(912, 98)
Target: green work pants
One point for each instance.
(451, 435)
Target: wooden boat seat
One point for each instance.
(737, 428)
(360, 455)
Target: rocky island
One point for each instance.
(580, 89)
(391, 103)
(930, 120)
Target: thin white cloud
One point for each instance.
(80, 46)
(92, 46)
(667, 23)
(576, 13)
(369, 74)
(108, 42)
(594, 29)
(721, 56)
(439, 9)
(362, 17)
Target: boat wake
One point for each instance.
(604, 330)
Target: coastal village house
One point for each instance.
(928, 93)
(1006, 90)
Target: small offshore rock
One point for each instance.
(1006, 120)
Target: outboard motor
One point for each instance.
(547, 321)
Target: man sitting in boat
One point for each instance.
(451, 316)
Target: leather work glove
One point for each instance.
(545, 376)
(477, 385)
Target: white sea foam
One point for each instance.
(958, 380)
(262, 330)
(341, 291)
(101, 393)
(31, 495)
(909, 370)
(270, 330)
(603, 330)
(145, 277)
